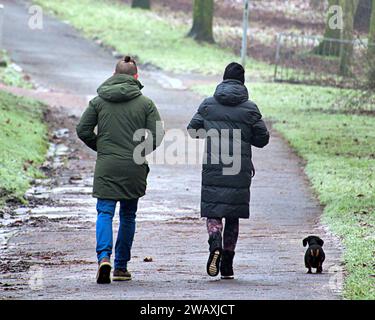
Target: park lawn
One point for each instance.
(339, 150)
(146, 35)
(23, 144)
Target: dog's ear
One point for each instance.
(305, 241)
(320, 241)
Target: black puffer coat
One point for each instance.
(228, 195)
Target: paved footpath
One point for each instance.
(52, 254)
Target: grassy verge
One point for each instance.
(146, 35)
(23, 141)
(9, 75)
(340, 154)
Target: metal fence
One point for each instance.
(323, 61)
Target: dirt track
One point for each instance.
(55, 242)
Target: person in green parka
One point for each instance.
(121, 113)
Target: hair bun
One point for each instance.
(127, 59)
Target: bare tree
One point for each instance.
(143, 4)
(202, 29)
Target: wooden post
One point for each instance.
(277, 57)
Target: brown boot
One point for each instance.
(104, 272)
(121, 275)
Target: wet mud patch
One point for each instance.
(36, 202)
(185, 220)
(14, 266)
(44, 221)
(41, 221)
(70, 262)
(41, 255)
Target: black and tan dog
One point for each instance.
(314, 256)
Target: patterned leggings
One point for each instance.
(230, 231)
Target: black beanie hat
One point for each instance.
(234, 71)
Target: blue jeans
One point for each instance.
(104, 233)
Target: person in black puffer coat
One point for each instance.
(226, 194)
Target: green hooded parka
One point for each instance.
(119, 111)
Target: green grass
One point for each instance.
(23, 141)
(144, 34)
(340, 154)
(10, 76)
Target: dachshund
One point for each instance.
(314, 256)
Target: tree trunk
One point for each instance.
(143, 4)
(346, 50)
(202, 29)
(371, 49)
(363, 16)
(371, 37)
(327, 47)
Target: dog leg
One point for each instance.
(319, 269)
(309, 270)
